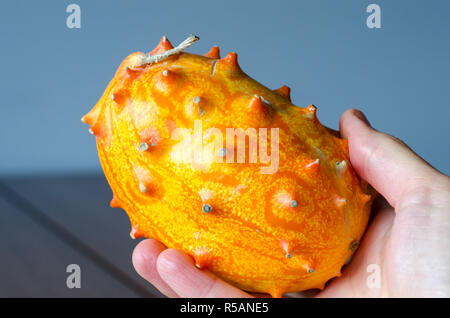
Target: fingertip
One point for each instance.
(361, 116)
(145, 254)
(353, 121)
(178, 271)
(144, 259)
(172, 261)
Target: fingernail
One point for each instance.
(361, 116)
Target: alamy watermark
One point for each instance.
(204, 148)
(374, 279)
(73, 20)
(74, 279)
(374, 19)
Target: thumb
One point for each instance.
(388, 164)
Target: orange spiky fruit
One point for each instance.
(281, 213)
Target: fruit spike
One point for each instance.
(341, 166)
(206, 208)
(165, 81)
(95, 130)
(284, 91)
(142, 187)
(196, 100)
(149, 136)
(366, 198)
(287, 248)
(256, 104)
(286, 199)
(144, 147)
(354, 245)
(145, 180)
(308, 267)
(340, 201)
(202, 257)
(135, 233)
(311, 112)
(132, 73)
(114, 202)
(313, 165)
(229, 216)
(163, 45)
(214, 53)
(276, 293)
(228, 64)
(120, 98)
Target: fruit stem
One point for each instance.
(148, 59)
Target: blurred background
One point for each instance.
(54, 200)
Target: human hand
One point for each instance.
(407, 239)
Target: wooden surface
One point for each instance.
(47, 223)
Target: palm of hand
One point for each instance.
(400, 256)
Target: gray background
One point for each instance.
(52, 75)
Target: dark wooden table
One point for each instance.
(47, 223)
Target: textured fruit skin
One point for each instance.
(254, 237)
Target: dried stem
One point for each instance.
(149, 59)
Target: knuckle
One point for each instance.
(417, 196)
(433, 192)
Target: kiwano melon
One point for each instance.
(210, 162)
